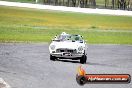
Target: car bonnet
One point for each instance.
(69, 45)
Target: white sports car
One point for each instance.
(67, 46)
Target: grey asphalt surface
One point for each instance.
(28, 65)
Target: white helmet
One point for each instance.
(63, 33)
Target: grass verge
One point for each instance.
(32, 25)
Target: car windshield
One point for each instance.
(69, 38)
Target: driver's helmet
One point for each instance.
(63, 33)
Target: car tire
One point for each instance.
(83, 59)
(53, 58)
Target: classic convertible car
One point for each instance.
(68, 46)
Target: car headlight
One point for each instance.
(80, 48)
(52, 47)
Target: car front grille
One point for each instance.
(66, 50)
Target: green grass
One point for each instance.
(32, 25)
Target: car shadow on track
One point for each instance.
(67, 60)
(87, 63)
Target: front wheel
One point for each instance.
(83, 59)
(53, 58)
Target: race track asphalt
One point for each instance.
(27, 65)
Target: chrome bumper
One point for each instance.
(67, 55)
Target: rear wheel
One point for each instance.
(83, 59)
(53, 58)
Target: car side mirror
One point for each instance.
(52, 39)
